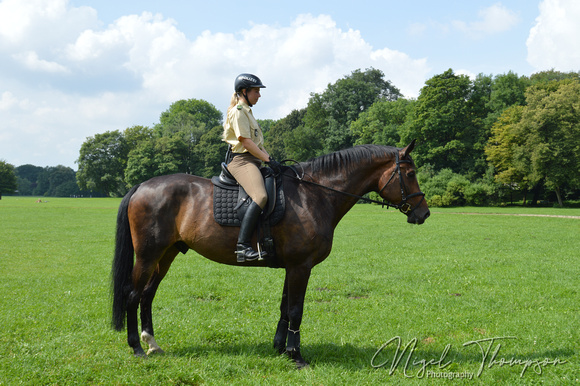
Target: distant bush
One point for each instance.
(447, 188)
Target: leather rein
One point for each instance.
(403, 206)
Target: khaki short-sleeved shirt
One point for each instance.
(240, 122)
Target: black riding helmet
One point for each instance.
(244, 81)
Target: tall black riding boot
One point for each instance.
(244, 251)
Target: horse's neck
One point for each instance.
(351, 180)
(345, 186)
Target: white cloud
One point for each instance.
(31, 61)
(417, 29)
(294, 60)
(494, 19)
(7, 100)
(34, 24)
(467, 73)
(17, 17)
(92, 79)
(553, 42)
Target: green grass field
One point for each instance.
(458, 278)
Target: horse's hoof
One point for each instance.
(295, 356)
(153, 346)
(139, 353)
(155, 351)
(280, 348)
(302, 364)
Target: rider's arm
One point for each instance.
(254, 149)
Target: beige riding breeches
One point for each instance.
(246, 170)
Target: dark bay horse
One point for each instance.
(165, 215)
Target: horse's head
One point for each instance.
(401, 189)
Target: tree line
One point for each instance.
(49, 181)
(480, 141)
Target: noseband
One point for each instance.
(403, 206)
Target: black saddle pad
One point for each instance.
(227, 198)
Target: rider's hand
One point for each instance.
(274, 165)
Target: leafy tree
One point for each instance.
(186, 114)
(24, 186)
(382, 122)
(265, 125)
(165, 155)
(446, 188)
(140, 163)
(28, 171)
(447, 120)
(476, 133)
(102, 162)
(67, 189)
(278, 136)
(540, 142)
(308, 139)
(27, 176)
(210, 153)
(330, 114)
(552, 123)
(56, 181)
(8, 183)
(506, 151)
(42, 183)
(62, 182)
(302, 143)
(552, 77)
(137, 134)
(506, 90)
(190, 119)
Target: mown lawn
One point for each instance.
(509, 283)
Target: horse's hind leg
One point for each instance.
(145, 265)
(147, 297)
(132, 324)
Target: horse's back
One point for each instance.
(162, 203)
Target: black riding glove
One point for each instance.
(274, 165)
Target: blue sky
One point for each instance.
(70, 69)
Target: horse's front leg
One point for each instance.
(282, 329)
(297, 281)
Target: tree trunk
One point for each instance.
(560, 203)
(537, 189)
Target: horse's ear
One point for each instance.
(409, 148)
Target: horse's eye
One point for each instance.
(411, 174)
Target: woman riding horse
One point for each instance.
(166, 215)
(244, 135)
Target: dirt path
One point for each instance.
(512, 214)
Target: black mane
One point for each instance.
(348, 158)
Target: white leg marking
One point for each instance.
(153, 346)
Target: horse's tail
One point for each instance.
(122, 264)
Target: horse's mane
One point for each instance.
(349, 158)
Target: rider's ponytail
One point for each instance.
(234, 101)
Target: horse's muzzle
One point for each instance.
(418, 216)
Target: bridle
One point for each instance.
(403, 206)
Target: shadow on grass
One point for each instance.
(350, 357)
